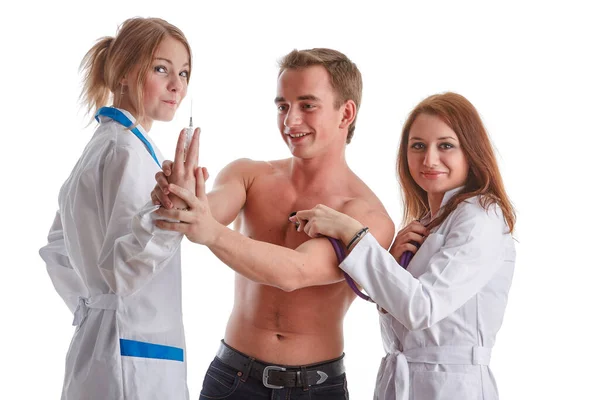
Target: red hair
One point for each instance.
(484, 177)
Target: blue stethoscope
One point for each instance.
(118, 116)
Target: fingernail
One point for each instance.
(166, 191)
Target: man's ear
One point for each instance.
(348, 114)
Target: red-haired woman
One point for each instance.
(444, 308)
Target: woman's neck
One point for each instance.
(126, 105)
(435, 202)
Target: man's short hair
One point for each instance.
(344, 75)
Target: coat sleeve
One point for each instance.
(64, 277)
(133, 249)
(468, 258)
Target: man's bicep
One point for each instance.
(321, 266)
(228, 194)
(382, 228)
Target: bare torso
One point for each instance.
(303, 326)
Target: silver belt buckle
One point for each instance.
(265, 379)
(322, 377)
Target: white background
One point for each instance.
(531, 69)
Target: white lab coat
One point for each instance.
(114, 274)
(445, 310)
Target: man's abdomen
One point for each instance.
(288, 328)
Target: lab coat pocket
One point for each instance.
(144, 378)
(437, 385)
(430, 246)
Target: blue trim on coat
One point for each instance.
(118, 116)
(133, 348)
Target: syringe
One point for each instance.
(189, 131)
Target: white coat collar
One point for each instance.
(447, 196)
(131, 117)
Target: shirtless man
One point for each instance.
(284, 336)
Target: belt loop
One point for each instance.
(481, 355)
(304, 378)
(247, 371)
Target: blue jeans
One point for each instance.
(223, 382)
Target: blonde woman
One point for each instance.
(125, 296)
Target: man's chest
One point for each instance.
(268, 206)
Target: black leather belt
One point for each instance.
(280, 376)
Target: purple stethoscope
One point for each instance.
(341, 254)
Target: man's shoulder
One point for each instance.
(249, 171)
(371, 212)
(357, 205)
(362, 198)
(244, 168)
(256, 166)
(365, 205)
